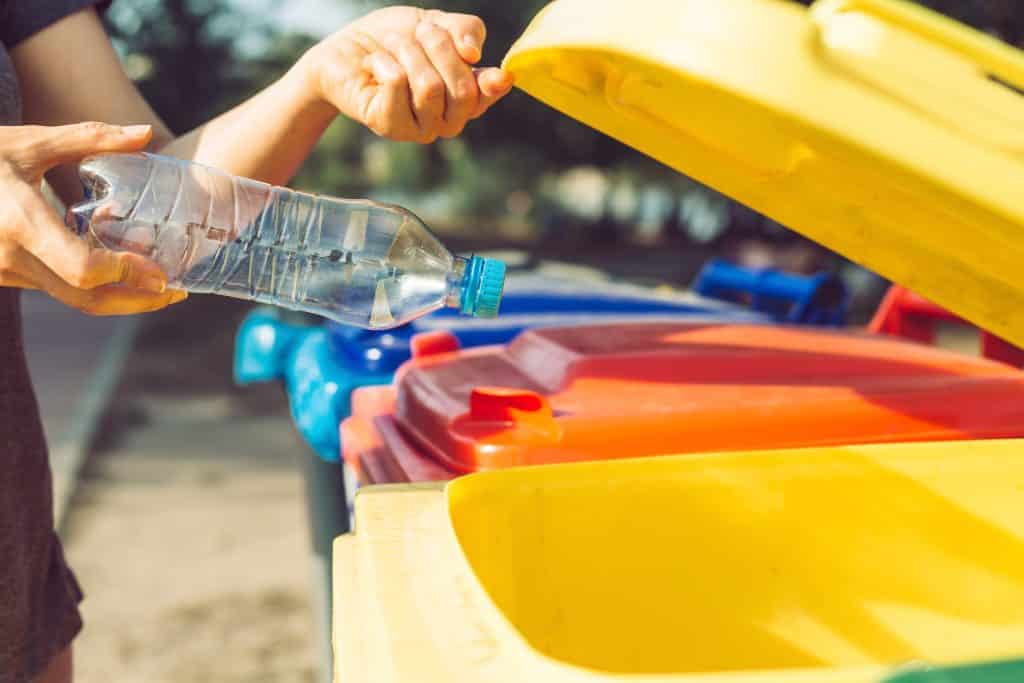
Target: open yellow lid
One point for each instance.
(879, 129)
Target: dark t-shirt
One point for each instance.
(38, 594)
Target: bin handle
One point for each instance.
(991, 54)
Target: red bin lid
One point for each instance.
(632, 390)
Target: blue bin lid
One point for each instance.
(527, 304)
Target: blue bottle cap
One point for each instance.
(482, 287)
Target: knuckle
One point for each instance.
(435, 40)
(465, 90)
(406, 49)
(93, 130)
(396, 78)
(430, 86)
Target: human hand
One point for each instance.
(407, 73)
(38, 252)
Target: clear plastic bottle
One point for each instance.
(354, 261)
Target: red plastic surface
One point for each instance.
(559, 395)
(375, 449)
(433, 343)
(905, 314)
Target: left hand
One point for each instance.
(407, 73)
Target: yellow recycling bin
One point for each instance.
(835, 565)
(879, 129)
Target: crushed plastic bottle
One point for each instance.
(354, 261)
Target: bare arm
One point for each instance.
(396, 71)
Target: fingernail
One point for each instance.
(469, 42)
(178, 295)
(154, 284)
(135, 131)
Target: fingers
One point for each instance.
(108, 299)
(426, 85)
(116, 300)
(494, 84)
(443, 91)
(468, 33)
(461, 92)
(25, 271)
(389, 110)
(46, 147)
(417, 81)
(77, 264)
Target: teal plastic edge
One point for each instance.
(1011, 671)
(482, 287)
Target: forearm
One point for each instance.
(417, 88)
(266, 137)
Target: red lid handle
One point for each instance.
(494, 404)
(433, 344)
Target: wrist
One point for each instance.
(302, 85)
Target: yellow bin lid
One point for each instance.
(882, 130)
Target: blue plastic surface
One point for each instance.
(820, 299)
(322, 366)
(262, 346)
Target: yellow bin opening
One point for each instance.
(833, 558)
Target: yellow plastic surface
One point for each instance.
(870, 126)
(827, 565)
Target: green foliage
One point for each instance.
(183, 66)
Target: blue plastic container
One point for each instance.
(820, 299)
(322, 366)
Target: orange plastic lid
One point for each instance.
(590, 393)
(380, 453)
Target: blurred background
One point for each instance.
(524, 176)
(186, 528)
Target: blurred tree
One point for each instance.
(195, 58)
(177, 56)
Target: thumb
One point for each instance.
(494, 84)
(58, 145)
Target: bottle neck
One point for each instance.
(456, 283)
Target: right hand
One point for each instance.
(37, 251)
(406, 73)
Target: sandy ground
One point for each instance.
(188, 529)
